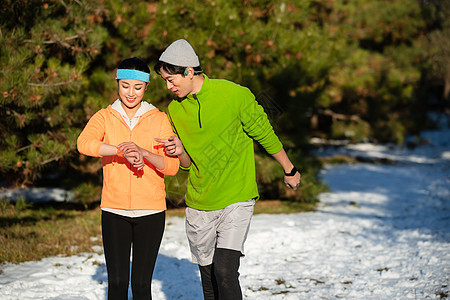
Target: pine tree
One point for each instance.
(440, 46)
(328, 68)
(46, 49)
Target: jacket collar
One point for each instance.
(144, 109)
(203, 91)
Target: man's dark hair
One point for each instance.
(134, 63)
(172, 69)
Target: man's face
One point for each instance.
(181, 86)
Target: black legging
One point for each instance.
(220, 280)
(119, 233)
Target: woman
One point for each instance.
(134, 164)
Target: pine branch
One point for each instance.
(64, 41)
(25, 147)
(57, 157)
(50, 84)
(50, 160)
(338, 116)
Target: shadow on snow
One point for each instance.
(179, 278)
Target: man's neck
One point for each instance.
(198, 83)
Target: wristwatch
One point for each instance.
(292, 173)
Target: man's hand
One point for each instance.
(293, 181)
(172, 145)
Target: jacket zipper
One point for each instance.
(129, 178)
(199, 119)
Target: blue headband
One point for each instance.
(132, 74)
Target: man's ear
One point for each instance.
(191, 72)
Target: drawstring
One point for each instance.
(199, 119)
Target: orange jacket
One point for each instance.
(124, 187)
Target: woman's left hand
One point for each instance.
(133, 153)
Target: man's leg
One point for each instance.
(232, 232)
(220, 280)
(209, 284)
(201, 230)
(226, 266)
(225, 229)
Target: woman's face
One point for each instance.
(131, 92)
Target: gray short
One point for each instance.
(224, 228)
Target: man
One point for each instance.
(217, 121)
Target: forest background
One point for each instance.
(353, 70)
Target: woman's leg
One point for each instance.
(116, 232)
(147, 235)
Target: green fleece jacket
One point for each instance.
(217, 127)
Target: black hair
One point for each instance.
(172, 69)
(134, 63)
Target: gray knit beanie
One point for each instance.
(180, 53)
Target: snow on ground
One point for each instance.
(382, 232)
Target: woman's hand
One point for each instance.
(133, 153)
